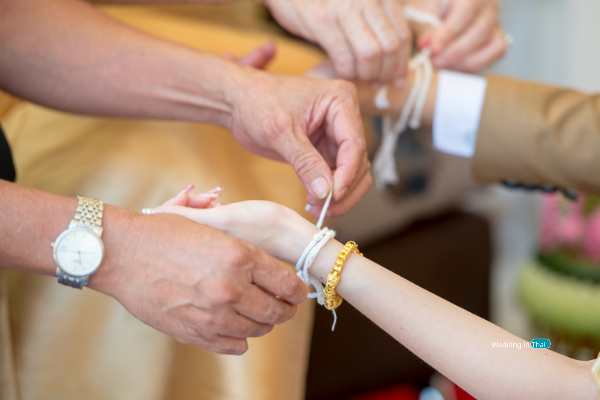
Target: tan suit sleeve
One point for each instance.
(538, 134)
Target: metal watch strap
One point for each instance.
(89, 214)
(74, 282)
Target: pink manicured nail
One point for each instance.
(187, 189)
(147, 211)
(217, 189)
(215, 204)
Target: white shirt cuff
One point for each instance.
(457, 112)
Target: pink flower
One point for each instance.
(571, 226)
(592, 236)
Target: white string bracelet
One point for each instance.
(309, 255)
(384, 162)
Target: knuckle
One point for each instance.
(305, 162)
(344, 65)
(190, 335)
(391, 45)
(222, 292)
(369, 54)
(360, 143)
(292, 286)
(280, 313)
(237, 254)
(275, 315)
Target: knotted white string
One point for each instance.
(384, 162)
(307, 258)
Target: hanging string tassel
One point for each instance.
(307, 258)
(384, 162)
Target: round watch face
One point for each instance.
(78, 251)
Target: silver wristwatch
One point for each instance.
(79, 251)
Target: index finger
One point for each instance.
(460, 15)
(278, 278)
(347, 130)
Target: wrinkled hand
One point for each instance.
(366, 39)
(197, 284)
(470, 38)
(312, 124)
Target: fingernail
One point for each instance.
(187, 189)
(217, 189)
(320, 188)
(307, 207)
(215, 204)
(147, 211)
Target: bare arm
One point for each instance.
(452, 340)
(67, 55)
(187, 280)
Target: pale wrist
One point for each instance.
(298, 233)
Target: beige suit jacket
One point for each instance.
(538, 134)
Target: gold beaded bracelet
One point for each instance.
(332, 299)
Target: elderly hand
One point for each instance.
(312, 124)
(470, 38)
(366, 39)
(193, 282)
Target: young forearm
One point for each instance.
(80, 60)
(452, 340)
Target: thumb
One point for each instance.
(310, 166)
(261, 56)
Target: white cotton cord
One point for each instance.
(414, 14)
(384, 162)
(381, 98)
(306, 260)
(309, 255)
(425, 83)
(325, 206)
